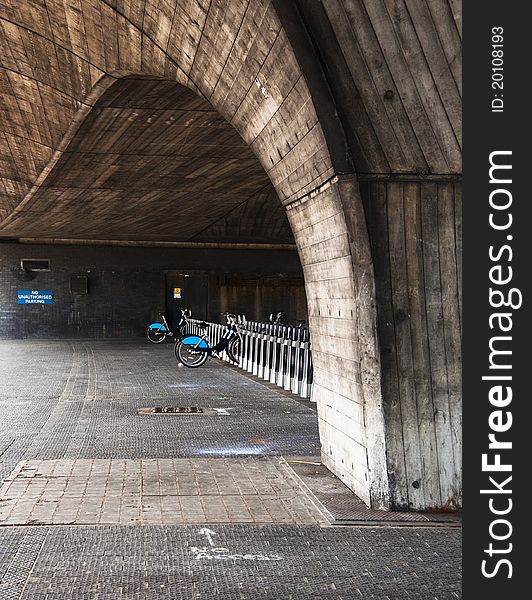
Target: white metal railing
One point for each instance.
(280, 354)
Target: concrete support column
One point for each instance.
(331, 235)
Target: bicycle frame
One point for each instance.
(165, 328)
(201, 343)
(192, 350)
(161, 327)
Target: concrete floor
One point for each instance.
(99, 501)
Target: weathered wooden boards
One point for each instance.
(416, 251)
(402, 68)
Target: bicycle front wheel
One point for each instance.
(156, 336)
(189, 356)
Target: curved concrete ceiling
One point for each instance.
(236, 54)
(57, 57)
(154, 161)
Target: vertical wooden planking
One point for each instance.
(358, 127)
(456, 9)
(451, 322)
(413, 126)
(374, 195)
(436, 338)
(403, 342)
(446, 106)
(416, 84)
(420, 349)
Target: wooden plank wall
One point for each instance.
(396, 75)
(415, 232)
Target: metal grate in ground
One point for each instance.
(170, 410)
(14, 577)
(65, 399)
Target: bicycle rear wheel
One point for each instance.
(233, 350)
(189, 356)
(156, 336)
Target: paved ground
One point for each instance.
(240, 526)
(154, 491)
(341, 507)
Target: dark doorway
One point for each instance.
(186, 290)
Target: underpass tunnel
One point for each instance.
(153, 164)
(254, 154)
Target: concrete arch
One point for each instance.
(238, 56)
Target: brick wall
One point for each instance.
(126, 285)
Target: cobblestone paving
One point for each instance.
(155, 491)
(245, 562)
(80, 399)
(76, 402)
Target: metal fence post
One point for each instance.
(279, 354)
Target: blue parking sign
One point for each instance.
(35, 297)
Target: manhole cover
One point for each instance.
(170, 410)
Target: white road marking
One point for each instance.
(221, 411)
(212, 553)
(208, 533)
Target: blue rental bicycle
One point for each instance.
(157, 332)
(193, 350)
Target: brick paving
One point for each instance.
(72, 444)
(271, 562)
(80, 399)
(154, 491)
